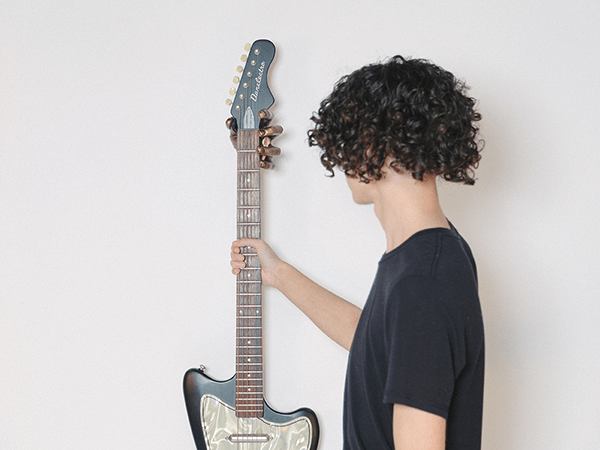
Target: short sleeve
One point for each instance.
(425, 354)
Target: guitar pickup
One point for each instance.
(249, 438)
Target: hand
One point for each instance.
(267, 134)
(269, 261)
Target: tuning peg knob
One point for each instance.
(236, 80)
(232, 91)
(244, 58)
(247, 47)
(228, 102)
(239, 69)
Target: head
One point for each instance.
(406, 113)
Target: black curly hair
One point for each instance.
(409, 110)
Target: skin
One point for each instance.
(403, 206)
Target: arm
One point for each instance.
(418, 430)
(336, 317)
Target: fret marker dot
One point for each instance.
(249, 389)
(248, 375)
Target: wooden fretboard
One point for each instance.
(249, 352)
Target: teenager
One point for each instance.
(416, 363)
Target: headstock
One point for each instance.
(253, 93)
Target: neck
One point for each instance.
(249, 351)
(405, 206)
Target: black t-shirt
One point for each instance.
(419, 342)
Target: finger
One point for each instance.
(231, 123)
(267, 141)
(237, 264)
(275, 130)
(265, 117)
(265, 114)
(266, 162)
(247, 242)
(237, 257)
(268, 151)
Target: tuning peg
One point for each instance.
(247, 47)
(244, 58)
(239, 69)
(232, 91)
(228, 102)
(236, 80)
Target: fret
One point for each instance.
(247, 296)
(242, 342)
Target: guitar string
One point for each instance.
(251, 180)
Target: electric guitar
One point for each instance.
(234, 414)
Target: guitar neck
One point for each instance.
(249, 310)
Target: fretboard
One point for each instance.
(249, 353)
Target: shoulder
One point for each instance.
(432, 272)
(418, 299)
(438, 253)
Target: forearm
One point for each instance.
(333, 315)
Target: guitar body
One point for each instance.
(211, 410)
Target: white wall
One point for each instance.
(117, 191)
